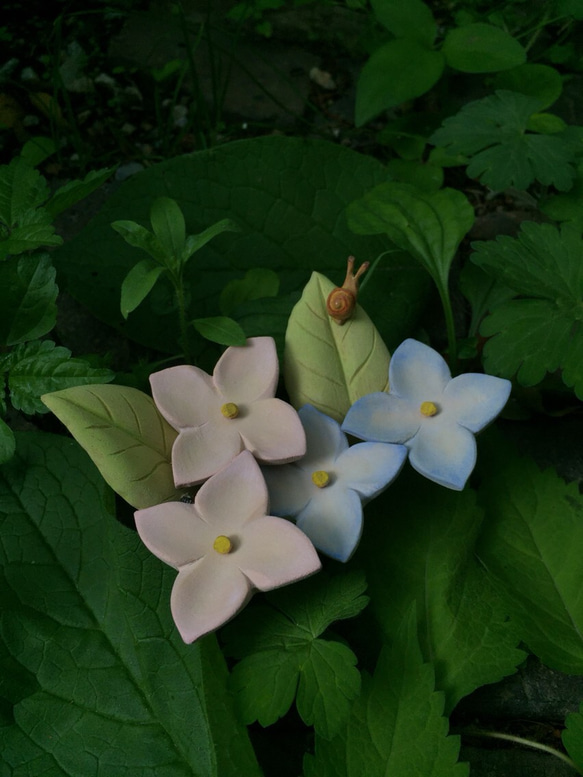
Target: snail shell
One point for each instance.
(341, 301)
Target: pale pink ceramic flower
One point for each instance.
(217, 417)
(224, 546)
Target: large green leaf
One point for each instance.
(328, 365)
(418, 545)
(125, 435)
(397, 725)
(406, 19)
(541, 330)
(286, 194)
(428, 225)
(531, 543)
(107, 686)
(482, 48)
(28, 295)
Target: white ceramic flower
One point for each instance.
(434, 415)
(324, 491)
(217, 417)
(223, 546)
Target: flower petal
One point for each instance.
(184, 395)
(381, 417)
(274, 552)
(289, 489)
(272, 431)
(234, 496)
(417, 372)
(325, 440)
(369, 467)
(476, 399)
(444, 452)
(206, 594)
(174, 532)
(333, 522)
(248, 372)
(199, 453)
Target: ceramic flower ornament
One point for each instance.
(434, 415)
(324, 491)
(218, 416)
(223, 546)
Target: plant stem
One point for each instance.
(374, 265)
(527, 743)
(449, 325)
(181, 303)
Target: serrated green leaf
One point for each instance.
(572, 736)
(37, 149)
(282, 653)
(125, 435)
(39, 367)
(482, 48)
(28, 295)
(38, 233)
(493, 132)
(220, 329)
(428, 225)
(7, 442)
(74, 191)
(430, 559)
(542, 82)
(84, 610)
(399, 70)
(411, 19)
(541, 331)
(137, 284)
(258, 283)
(530, 544)
(168, 224)
(399, 707)
(483, 292)
(22, 190)
(328, 365)
(196, 242)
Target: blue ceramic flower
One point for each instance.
(434, 415)
(325, 490)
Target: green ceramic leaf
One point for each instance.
(125, 435)
(531, 541)
(482, 48)
(327, 365)
(397, 725)
(105, 684)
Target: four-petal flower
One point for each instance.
(434, 415)
(223, 546)
(324, 490)
(217, 417)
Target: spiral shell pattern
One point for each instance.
(340, 304)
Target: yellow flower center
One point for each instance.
(222, 544)
(320, 478)
(428, 408)
(230, 410)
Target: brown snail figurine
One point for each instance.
(341, 301)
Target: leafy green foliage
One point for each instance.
(412, 19)
(541, 82)
(396, 726)
(419, 545)
(38, 367)
(288, 196)
(281, 652)
(220, 329)
(428, 225)
(540, 331)
(572, 736)
(530, 543)
(482, 48)
(28, 294)
(125, 435)
(7, 442)
(257, 283)
(74, 191)
(137, 284)
(86, 622)
(494, 133)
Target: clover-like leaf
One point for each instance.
(327, 365)
(494, 133)
(396, 708)
(93, 669)
(282, 653)
(530, 544)
(428, 225)
(540, 331)
(125, 435)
